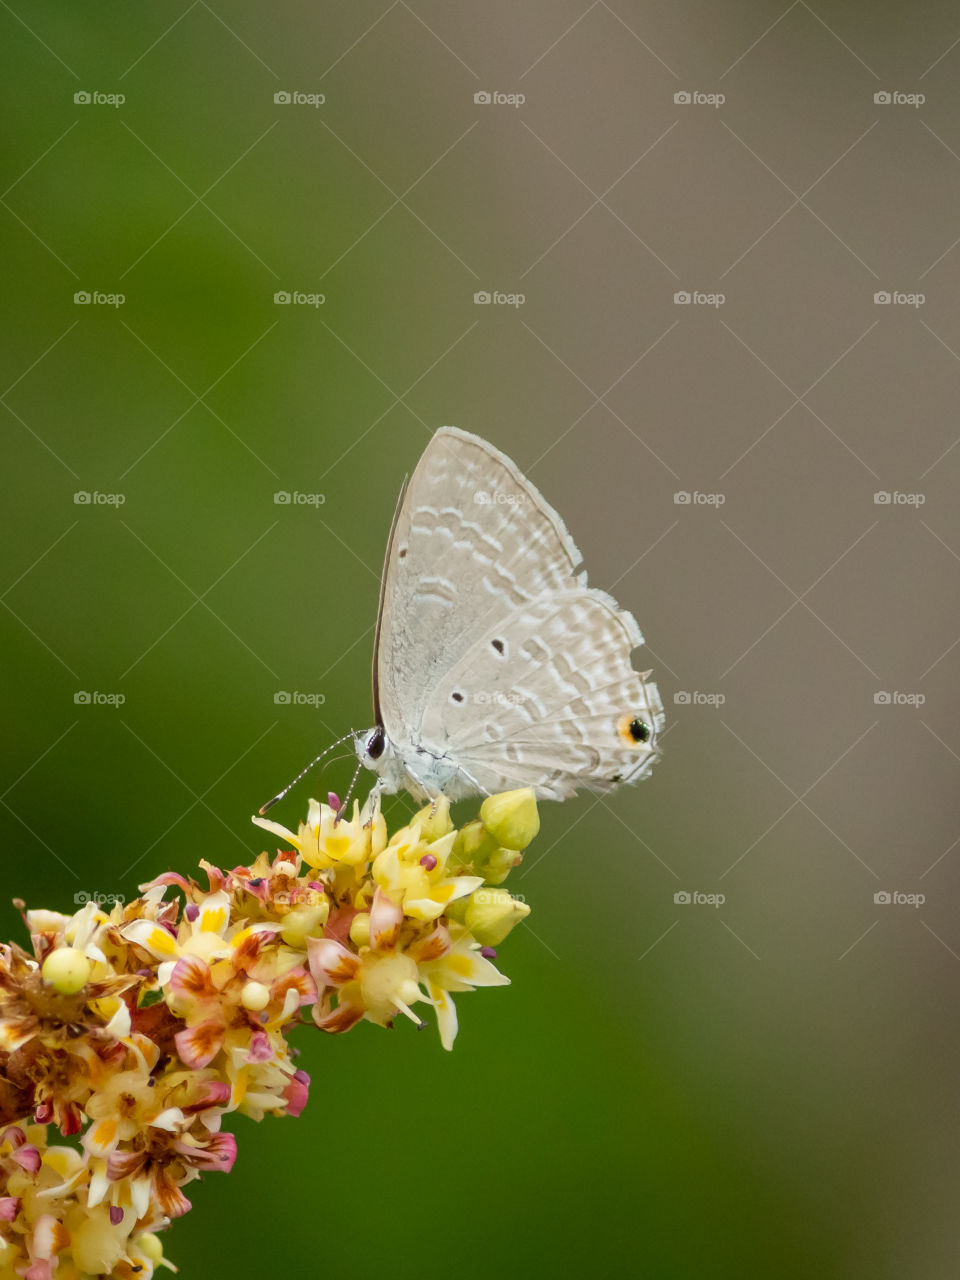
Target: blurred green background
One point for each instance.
(766, 1088)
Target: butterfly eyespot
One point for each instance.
(499, 646)
(634, 731)
(375, 744)
(457, 697)
(401, 553)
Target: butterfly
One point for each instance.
(495, 666)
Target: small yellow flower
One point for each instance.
(324, 843)
(414, 872)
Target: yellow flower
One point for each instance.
(414, 872)
(324, 843)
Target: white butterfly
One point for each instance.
(495, 665)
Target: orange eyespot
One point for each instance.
(633, 731)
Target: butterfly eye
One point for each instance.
(375, 744)
(634, 731)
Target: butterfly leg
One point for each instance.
(372, 804)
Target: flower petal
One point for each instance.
(386, 919)
(199, 1045)
(330, 962)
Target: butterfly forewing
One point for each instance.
(473, 540)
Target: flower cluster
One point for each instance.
(136, 1031)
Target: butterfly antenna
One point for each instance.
(290, 785)
(346, 799)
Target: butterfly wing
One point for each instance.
(548, 698)
(473, 542)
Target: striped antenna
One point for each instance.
(290, 785)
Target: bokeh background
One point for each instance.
(766, 1087)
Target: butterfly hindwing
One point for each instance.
(546, 697)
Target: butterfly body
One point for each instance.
(495, 665)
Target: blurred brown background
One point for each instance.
(763, 1087)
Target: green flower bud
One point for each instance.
(499, 865)
(492, 913)
(472, 844)
(150, 1246)
(511, 817)
(435, 820)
